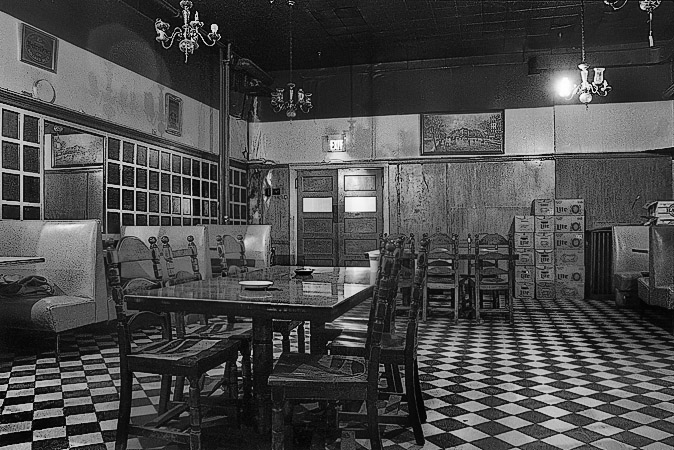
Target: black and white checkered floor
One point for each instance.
(569, 375)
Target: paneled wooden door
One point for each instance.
(339, 216)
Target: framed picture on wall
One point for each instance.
(174, 114)
(38, 48)
(478, 133)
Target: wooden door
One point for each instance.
(317, 218)
(339, 216)
(360, 214)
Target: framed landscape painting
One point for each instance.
(462, 133)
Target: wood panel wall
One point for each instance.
(614, 188)
(465, 198)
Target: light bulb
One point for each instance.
(585, 97)
(564, 87)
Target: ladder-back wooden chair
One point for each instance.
(332, 378)
(399, 347)
(235, 267)
(442, 280)
(241, 332)
(169, 356)
(494, 276)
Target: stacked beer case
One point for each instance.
(570, 248)
(544, 246)
(522, 231)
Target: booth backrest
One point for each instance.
(73, 253)
(178, 240)
(256, 239)
(661, 255)
(625, 239)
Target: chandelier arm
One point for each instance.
(176, 32)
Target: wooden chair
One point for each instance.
(442, 281)
(494, 276)
(284, 327)
(241, 332)
(189, 357)
(332, 378)
(399, 347)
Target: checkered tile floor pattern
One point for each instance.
(567, 375)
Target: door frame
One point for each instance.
(293, 168)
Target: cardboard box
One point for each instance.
(569, 241)
(545, 290)
(526, 257)
(544, 257)
(523, 224)
(569, 257)
(575, 274)
(524, 274)
(544, 241)
(569, 290)
(569, 207)
(544, 224)
(545, 273)
(663, 221)
(543, 207)
(569, 224)
(661, 209)
(524, 240)
(524, 290)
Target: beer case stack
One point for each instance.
(544, 246)
(569, 240)
(660, 212)
(522, 231)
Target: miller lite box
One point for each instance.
(569, 290)
(569, 207)
(569, 224)
(524, 289)
(524, 240)
(524, 274)
(543, 207)
(545, 290)
(544, 224)
(662, 212)
(544, 241)
(565, 257)
(523, 224)
(544, 257)
(571, 274)
(525, 257)
(569, 241)
(545, 273)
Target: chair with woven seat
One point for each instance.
(399, 348)
(227, 244)
(442, 282)
(189, 357)
(494, 276)
(241, 332)
(337, 378)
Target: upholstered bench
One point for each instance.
(630, 262)
(73, 253)
(658, 288)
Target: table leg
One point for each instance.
(263, 360)
(317, 339)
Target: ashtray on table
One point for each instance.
(255, 285)
(303, 271)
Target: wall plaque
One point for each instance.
(38, 48)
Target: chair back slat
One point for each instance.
(412, 332)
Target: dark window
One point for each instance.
(113, 149)
(31, 159)
(175, 165)
(141, 178)
(127, 154)
(141, 156)
(10, 124)
(31, 129)
(165, 204)
(141, 219)
(128, 200)
(166, 182)
(165, 161)
(10, 155)
(177, 184)
(113, 173)
(127, 219)
(113, 223)
(153, 158)
(31, 189)
(154, 180)
(187, 166)
(141, 201)
(31, 213)
(187, 186)
(154, 220)
(10, 187)
(196, 166)
(128, 176)
(113, 199)
(11, 212)
(154, 203)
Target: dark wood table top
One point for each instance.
(325, 295)
(17, 260)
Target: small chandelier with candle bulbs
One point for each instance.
(189, 33)
(295, 99)
(586, 89)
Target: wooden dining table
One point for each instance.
(321, 297)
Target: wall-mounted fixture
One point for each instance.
(645, 5)
(189, 33)
(295, 100)
(584, 90)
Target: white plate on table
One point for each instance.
(255, 285)
(304, 271)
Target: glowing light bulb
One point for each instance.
(564, 87)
